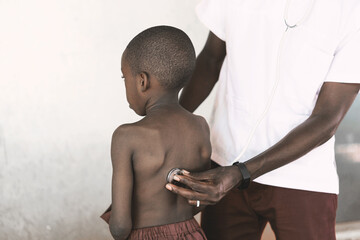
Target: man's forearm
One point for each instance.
(312, 133)
(202, 82)
(206, 73)
(334, 101)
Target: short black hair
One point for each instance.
(165, 52)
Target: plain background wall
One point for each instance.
(61, 97)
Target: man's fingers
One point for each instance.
(201, 176)
(186, 193)
(198, 186)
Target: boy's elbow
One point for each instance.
(119, 231)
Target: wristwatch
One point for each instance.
(245, 175)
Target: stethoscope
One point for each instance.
(277, 79)
(305, 17)
(176, 171)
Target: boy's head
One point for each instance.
(164, 54)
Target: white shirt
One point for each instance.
(325, 47)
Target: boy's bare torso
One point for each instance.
(165, 139)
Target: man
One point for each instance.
(288, 72)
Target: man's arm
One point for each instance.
(122, 185)
(333, 102)
(206, 73)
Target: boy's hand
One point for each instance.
(209, 187)
(106, 215)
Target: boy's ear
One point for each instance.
(144, 81)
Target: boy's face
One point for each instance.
(133, 92)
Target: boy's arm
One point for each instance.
(122, 184)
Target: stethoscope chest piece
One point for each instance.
(172, 173)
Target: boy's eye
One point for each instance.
(122, 76)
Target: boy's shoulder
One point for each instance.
(197, 121)
(129, 133)
(126, 131)
(125, 140)
(202, 121)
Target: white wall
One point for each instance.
(61, 97)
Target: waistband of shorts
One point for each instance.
(168, 230)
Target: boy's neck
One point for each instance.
(164, 100)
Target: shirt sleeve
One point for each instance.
(345, 66)
(212, 13)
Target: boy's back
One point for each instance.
(156, 65)
(165, 139)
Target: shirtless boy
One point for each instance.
(156, 65)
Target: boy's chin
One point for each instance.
(140, 113)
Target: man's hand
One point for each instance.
(208, 187)
(332, 104)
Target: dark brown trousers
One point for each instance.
(292, 214)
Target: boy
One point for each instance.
(156, 65)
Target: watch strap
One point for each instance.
(245, 175)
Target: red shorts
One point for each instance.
(292, 214)
(186, 230)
